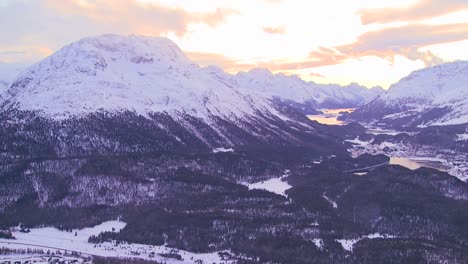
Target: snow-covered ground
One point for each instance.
(333, 203)
(379, 131)
(274, 185)
(318, 242)
(43, 259)
(218, 150)
(348, 244)
(360, 173)
(49, 238)
(463, 137)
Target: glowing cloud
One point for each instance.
(423, 9)
(296, 37)
(274, 30)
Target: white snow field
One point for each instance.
(49, 238)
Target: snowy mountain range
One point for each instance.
(116, 93)
(305, 96)
(428, 97)
(93, 71)
(139, 74)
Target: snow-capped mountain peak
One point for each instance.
(307, 95)
(431, 96)
(438, 83)
(118, 73)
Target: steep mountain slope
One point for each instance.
(113, 73)
(428, 97)
(113, 94)
(307, 97)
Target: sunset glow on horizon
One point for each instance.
(371, 43)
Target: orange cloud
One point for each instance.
(406, 41)
(386, 43)
(321, 57)
(25, 53)
(228, 64)
(422, 10)
(274, 30)
(139, 18)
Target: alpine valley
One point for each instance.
(119, 149)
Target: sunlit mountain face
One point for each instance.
(199, 132)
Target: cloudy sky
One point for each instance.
(372, 42)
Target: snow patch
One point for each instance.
(318, 242)
(333, 203)
(218, 150)
(462, 137)
(348, 244)
(274, 185)
(357, 141)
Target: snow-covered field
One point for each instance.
(49, 238)
(274, 185)
(43, 259)
(348, 244)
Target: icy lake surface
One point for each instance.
(416, 163)
(330, 116)
(274, 185)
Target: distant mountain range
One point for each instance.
(429, 97)
(307, 97)
(112, 93)
(147, 75)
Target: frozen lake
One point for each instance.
(416, 163)
(330, 116)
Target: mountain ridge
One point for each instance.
(141, 74)
(116, 94)
(149, 62)
(428, 97)
(306, 96)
